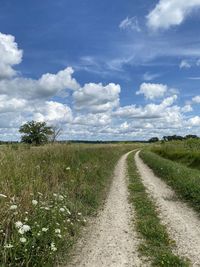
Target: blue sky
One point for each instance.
(117, 70)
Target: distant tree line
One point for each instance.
(173, 137)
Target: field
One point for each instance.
(46, 193)
(141, 201)
(178, 164)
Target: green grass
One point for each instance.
(185, 181)
(156, 244)
(50, 191)
(186, 152)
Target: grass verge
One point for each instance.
(156, 243)
(45, 195)
(185, 181)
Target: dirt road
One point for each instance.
(111, 240)
(182, 222)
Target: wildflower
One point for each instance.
(2, 195)
(68, 212)
(44, 229)
(22, 240)
(68, 168)
(60, 197)
(34, 202)
(62, 209)
(60, 236)
(47, 208)
(79, 213)
(13, 207)
(53, 247)
(55, 195)
(26, 219)
(18, 224)
(57, 231)
(8, 246)
(24, 228)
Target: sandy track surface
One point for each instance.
(111, 240)
(182, 222)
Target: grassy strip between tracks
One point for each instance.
(156, 244)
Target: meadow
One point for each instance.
(178, 163)
(186, 152)
(46, 196)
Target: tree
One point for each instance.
(35, 132)
(153, 140)
(56, 131)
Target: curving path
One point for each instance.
(111, 240)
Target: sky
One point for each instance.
(100, 70)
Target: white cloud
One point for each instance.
(48, 85)
(196, 99)
(169, 13)
(187, 108)
(195, 121)
(184, 64)
(150, 76)
(53, 112)
(152, 90)
(130, 23)
(150, 111)
(97, 98)
(10, 55)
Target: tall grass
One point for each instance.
(185, 181)
(46, 194)
(186, 152)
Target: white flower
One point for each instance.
(68, 168)
(68, 212)
(18, 224)
(53, 247)
(44, 229)
(13, 207)
(8, 246)
(57, 231)
(34, 202)
(22, 240)
(26, 219)
(60, 197)
(79, 213)
(24, 228)
(59, 236)
(62, 209)
(2, 195)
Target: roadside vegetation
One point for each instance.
(186, 152)
(185, 181)
(156, 245)
(46, 194)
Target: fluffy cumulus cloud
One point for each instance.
(130, 23)
(152, 90)
(168, 13)
(10, 55)
(48, 85)
(53, 113)
(97, 98)
(196, 99)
